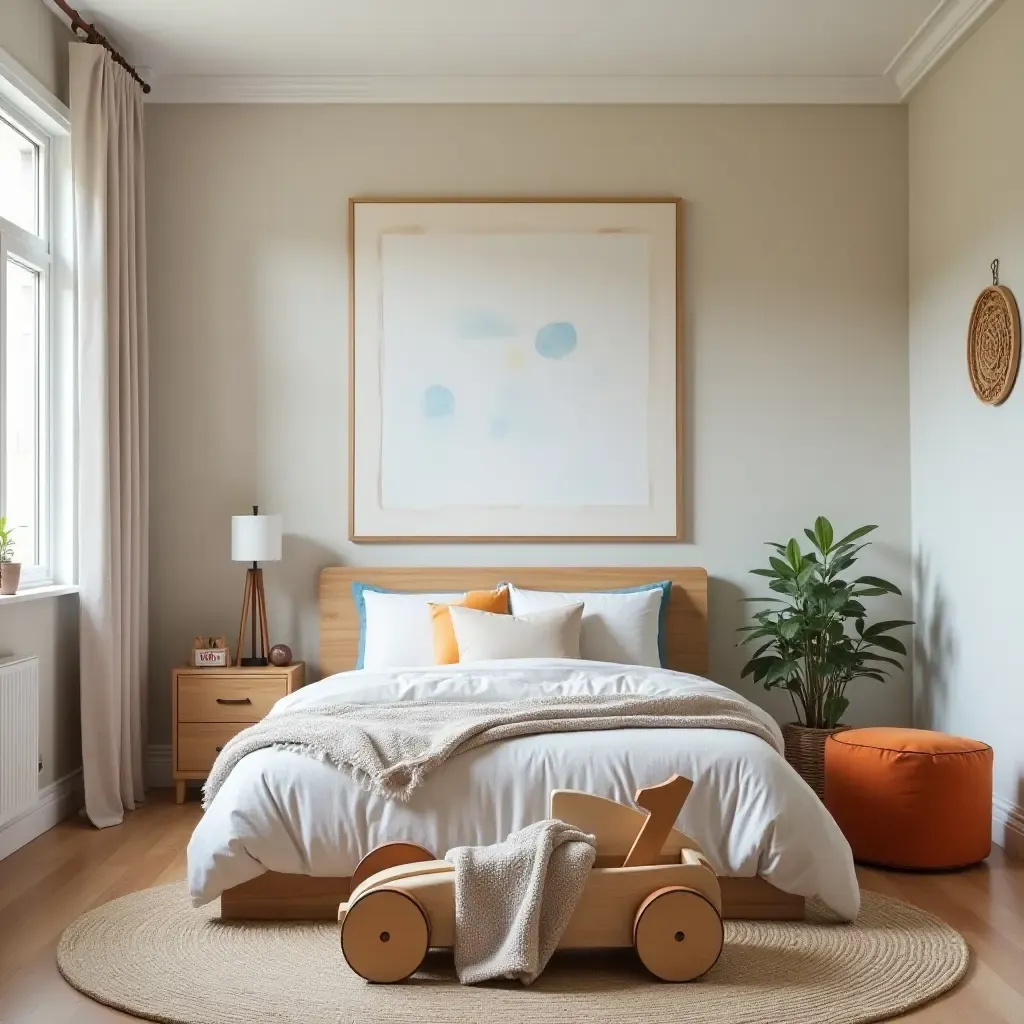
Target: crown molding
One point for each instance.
(947, 26)
(608, 89)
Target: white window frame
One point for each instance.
(46, 121)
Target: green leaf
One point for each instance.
(883, 585)
(810, 536)
(877, 676)
(823, 533)
(841, 563)
(764, 647)
(774, 600)
(859, 626)
(780, 671)
(884, 626)
(793, 555)
(790, 628)
(871, 592)
(835, 707)
(881, 657)
(757, 667)
(770, 573)
(888, 643)
(781, 568)
(861, 531)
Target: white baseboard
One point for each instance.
(1008, 827)
(55, 802)
(158, 766)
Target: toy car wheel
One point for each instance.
(385, 935)
(678, 934)
(389, 855)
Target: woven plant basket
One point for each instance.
(805, 751)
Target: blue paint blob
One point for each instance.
(556, 341)
(438, 401)
(482, 324)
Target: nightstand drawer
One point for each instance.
(204, 697)
(199, 744)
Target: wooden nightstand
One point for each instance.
(210, 705)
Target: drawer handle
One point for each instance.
(234, 700)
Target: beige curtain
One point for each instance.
(113, 393)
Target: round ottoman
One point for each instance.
(909, 798)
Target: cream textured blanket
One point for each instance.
(389, 748)
(514, 899)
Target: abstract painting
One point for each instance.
(514, 370)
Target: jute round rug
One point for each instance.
(151, 955)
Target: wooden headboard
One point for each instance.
(686, 627)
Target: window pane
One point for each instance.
(21, 398)
(19, 178)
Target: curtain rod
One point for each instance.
(93, 35)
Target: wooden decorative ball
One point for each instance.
(993, 344)
(280, 655)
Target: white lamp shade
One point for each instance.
(256, 538)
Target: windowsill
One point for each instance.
(38, 593)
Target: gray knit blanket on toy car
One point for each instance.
(513, 900)
(389, 748)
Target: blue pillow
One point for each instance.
(666, 594)
(358, 589)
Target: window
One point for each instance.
(26, 319)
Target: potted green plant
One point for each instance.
(10, 571)
(807, 646)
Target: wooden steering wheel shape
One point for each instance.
(389, 855)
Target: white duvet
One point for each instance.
(752, 814)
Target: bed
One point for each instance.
(283, 835)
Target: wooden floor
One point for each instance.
(73, 867)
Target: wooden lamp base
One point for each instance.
(254, 602)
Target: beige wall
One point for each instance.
(47, 628)
(796, 361)
(967, 208)
(38, 40)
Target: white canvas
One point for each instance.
(502, 358)
(515, 370)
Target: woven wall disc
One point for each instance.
(993, 344)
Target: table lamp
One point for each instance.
(255, 539)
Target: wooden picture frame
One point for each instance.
(374, 219)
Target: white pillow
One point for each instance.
(398, 631)
(484, 636)
(621, 628)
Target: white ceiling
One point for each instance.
(626, 50)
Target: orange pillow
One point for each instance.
(446, 647)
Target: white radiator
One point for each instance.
(19, 736)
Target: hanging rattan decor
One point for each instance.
(993, 342)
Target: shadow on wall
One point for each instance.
(726, 613)
(299, 576)
(934, 648)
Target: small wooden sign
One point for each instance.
(211, 652)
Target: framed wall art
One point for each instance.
(515, 370)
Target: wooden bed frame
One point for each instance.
(276, 897)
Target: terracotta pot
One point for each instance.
(805, 751)
(10, 577)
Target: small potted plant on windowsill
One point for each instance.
(805, 646)
(10, 571)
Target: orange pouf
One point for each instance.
(909, 798)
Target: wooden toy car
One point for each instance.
(650, 888)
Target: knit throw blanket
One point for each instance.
(514, 899)
(391, 747)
